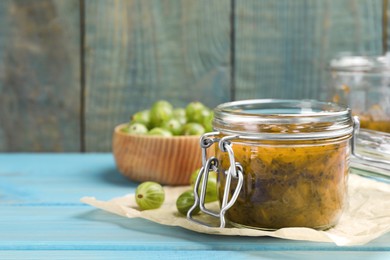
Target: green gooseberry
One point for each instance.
(136, 128)
(179, 112)
(211, 191)
(142, 117)
(207, 121)
(185, 202)
(149, 195)
(205, 113)
(194, 111)
(180, 115)
(193, 129)
(172, 125)
(158, 131)
(160, 112)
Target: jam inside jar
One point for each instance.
(294, 156)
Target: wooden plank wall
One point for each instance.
(71, 70)
(39, 76)
(282, 47)
(140, 51)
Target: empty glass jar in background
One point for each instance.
(363, 84)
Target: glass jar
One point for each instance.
(280, 163)
(363, 84)
(373, 154)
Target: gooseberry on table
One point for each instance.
(149, 195)
(185, 202)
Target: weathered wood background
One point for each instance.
(70, 70)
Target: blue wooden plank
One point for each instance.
(55, 179)
(80, 228)
(189, 255)
(40, 211)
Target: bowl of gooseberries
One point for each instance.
(161, 143)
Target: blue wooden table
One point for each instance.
(41, 217)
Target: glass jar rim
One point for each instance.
(346, 62)
(316, 119)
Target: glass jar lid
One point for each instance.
(283, 119)
(361, 63)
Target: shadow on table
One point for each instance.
(159, 237)
(135, 224)
(151, 230)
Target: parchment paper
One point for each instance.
(366, 217)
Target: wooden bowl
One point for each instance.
(166, 160)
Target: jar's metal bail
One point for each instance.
(236, 171)
(210, 164)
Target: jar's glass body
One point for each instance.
(363, 84)
(288, 185)
(295, 164)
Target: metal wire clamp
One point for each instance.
(211, 164)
